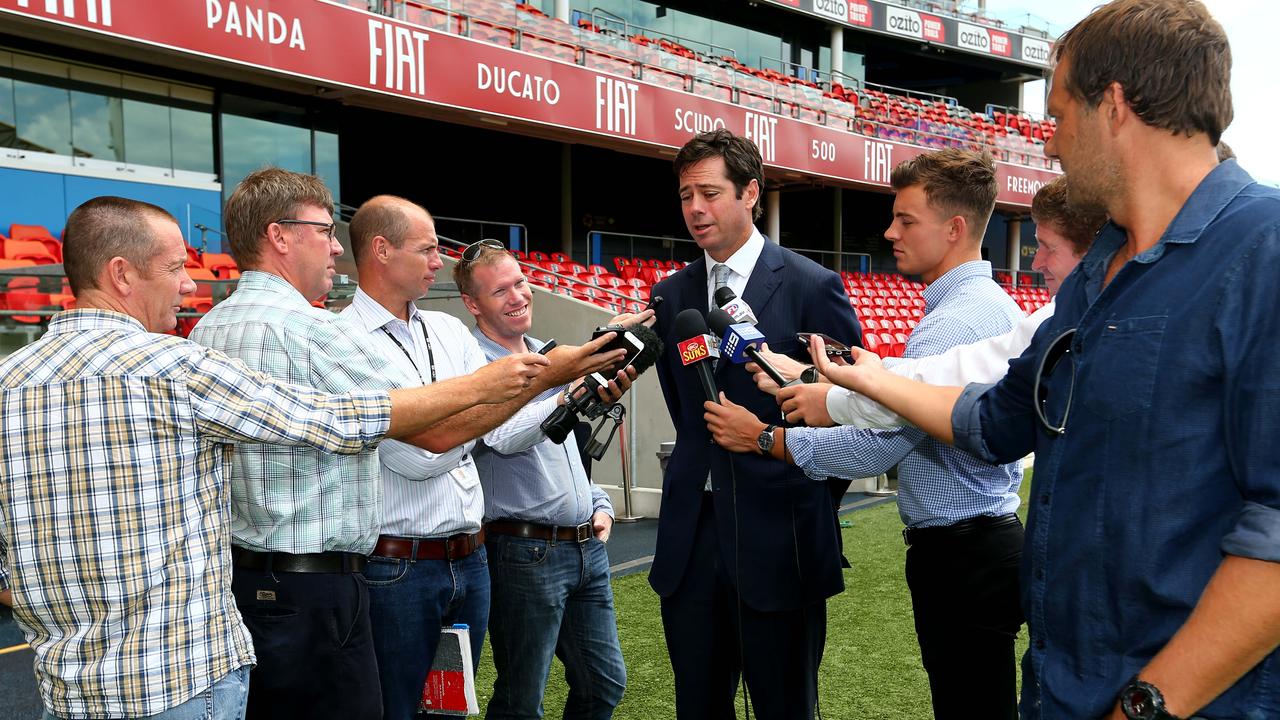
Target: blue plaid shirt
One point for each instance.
(114, 513)
(937, 484)
(290, 499)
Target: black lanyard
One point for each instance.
(431, 358)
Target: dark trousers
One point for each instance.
(964, 591)
(713, 640)
(312, 637)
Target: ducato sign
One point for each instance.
(903, 22)
(834, 9)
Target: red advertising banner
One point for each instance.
(337, 45)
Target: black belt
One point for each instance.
(916, 536)
(574, 533)
(325, 562)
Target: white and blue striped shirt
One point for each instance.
(424, 494)
(937, 484)
(525, 475)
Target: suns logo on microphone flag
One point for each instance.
(693, 350)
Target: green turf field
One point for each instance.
(871, 669)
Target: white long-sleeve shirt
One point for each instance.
(985, 361)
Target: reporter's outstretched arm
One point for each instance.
(560, 366)
(413, 410)
(926, 406)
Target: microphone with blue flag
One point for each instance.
(739, 342)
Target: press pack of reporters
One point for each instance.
(164, 499)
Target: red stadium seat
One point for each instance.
(872, 343)
(37, 233)
(29, 250)
(219, 263)
(202, 277)
(560, 258)
(28, 300)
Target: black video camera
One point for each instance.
(643, 348)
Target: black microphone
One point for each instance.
(739, 343)
(737, 308)
(585, 399)
(695, 350)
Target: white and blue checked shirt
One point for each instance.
(525, 475)
(937, 484)
(114, 511)
(298, 500)
(424, 494)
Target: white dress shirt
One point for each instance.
(985, 361)
(424, 494)
(740, 265)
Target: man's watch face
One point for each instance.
(1138, 703)
(765, 439)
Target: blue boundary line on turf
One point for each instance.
(630, 567)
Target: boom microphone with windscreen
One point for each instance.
(695, 350)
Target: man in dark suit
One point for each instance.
(747, 550)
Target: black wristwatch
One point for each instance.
(809, 375)
(1140, 700)
(765, 440)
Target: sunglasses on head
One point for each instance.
(472, 252)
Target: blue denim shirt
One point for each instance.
(1171, 455)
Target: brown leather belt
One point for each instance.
(325, 562)
(575, 533)
(455, 547)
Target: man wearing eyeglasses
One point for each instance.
(1152, 564)
(302, 521)
(962, 532)
(429, 567)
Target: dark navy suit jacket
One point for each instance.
(782, 549)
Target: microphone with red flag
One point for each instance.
(696, 350)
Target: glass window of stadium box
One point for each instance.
(107, 121)
(259, 132)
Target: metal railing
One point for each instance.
(861, 261)
(797, 70)
(892, 90)
(991, 108)
(477, 228)
(667, 248)
(564, 280)
(628, 29)
(203, 247)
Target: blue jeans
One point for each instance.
(224, 700)
(409, 601)
(553, 598)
